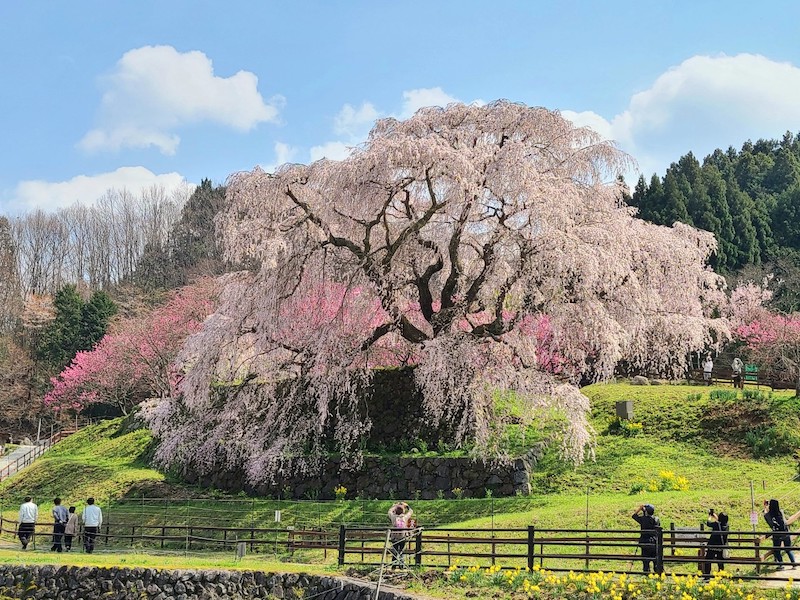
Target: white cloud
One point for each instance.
(284, 153)
(413, 100)
(331, 151)
(155, 90)
(353, 124)
(704, 103)
(86, 189)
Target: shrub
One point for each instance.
(458, 493)
(340, 492)
(625, 427)
(722, 395)
(756, 395)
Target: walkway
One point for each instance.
(9, 463)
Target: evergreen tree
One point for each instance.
(674, 203)
(62, 338)
(77, 326)
(786, 221)
(192, 248)
(741, 207)
(95, 316)
(719, 218)
(785, 173)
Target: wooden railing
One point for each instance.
(35, 452)
(679, 551)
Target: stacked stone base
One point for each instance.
(47, 582)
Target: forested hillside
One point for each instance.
(749, 199)
(69, 277)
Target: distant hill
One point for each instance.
(749, 199)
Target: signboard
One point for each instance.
(754, 518)
(751, 373)
(688, 536)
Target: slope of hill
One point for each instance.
(692, 438)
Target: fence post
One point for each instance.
(672, 538)
(342, 537)
(531, 549)
(418, 549)
(758, 554)
(659, 566)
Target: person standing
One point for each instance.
(774, 517)
(28, 514)
(70, 529)
(708, 367)
(648, 538)
(92, 521)
(716, 542)
(399, 515)
(60, 518)
(737, 366)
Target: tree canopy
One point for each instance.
(486, 246)
(749, 199)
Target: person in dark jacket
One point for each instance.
(648, 539)
(718, 524)
(774, 517)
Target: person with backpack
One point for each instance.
(776, 520)
(648, 539)
(399, 516)
(715, 548)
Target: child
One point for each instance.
(71, 529)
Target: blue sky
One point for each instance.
(104, 94)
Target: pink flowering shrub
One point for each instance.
(133, 361)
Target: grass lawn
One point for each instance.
(697, 434)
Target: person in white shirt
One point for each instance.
(92, 521)
(708, 367)
(28, 514)
(737, 366)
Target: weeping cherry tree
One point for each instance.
(446, 242)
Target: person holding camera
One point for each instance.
(715, 548)
(776, 520)
(399, 515)
(648, 538)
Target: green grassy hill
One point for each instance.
(702, 440)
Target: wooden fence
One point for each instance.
(678, 550)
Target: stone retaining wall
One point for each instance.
(43, 582)
(392, 477)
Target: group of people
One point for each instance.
(65, 524)
(716, 546)
(737, 369)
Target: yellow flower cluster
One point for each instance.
(538, 583)
(340, 492)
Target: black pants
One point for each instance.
(713, 553)
(779, 540)
(89, 533)
(649, 556)
(58, 534)
(25, 532)
(68, 541)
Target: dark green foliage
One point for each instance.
(95, 316)
(192, 248)
(750, 200)
(77, 326)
